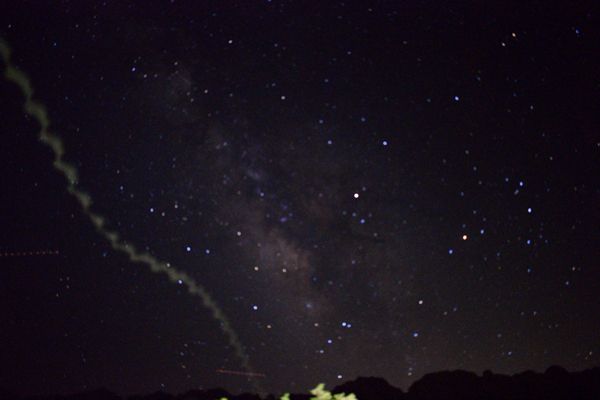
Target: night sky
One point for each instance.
(363, 188)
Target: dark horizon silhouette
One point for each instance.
(554, 383)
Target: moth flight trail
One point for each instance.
(70, 173)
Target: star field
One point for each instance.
(365, 188)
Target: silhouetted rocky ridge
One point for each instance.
(554, 384)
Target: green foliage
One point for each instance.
(320, 394)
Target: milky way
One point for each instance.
(363, 189)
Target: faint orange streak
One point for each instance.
(241, 373)
(29, 253)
